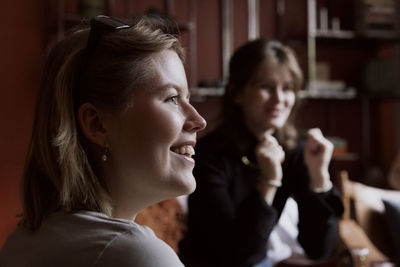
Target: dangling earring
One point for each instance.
(104, 155)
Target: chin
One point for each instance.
(186, 185)
(277, 124)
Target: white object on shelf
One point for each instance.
(335, 24)
(323, 19)
(253, 7)
(335, 34)
(328, 89)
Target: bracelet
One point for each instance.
(275, 183)
(328, 185)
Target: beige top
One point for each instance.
(87, 238)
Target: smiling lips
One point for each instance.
(275, 112)
(186, 150)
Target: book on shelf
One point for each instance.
(379, 18)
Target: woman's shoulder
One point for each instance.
(92, 237)
(138, 246)
(131, 244)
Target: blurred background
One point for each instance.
(349, 51)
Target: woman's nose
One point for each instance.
(194, 121)
(278, 94)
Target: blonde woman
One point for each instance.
(252, 169)
(114, 133)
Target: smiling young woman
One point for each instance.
(114, 133)
(254, 175)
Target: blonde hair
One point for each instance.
(60, 170)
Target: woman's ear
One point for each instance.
(92, 124)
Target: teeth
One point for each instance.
(185, 150)
(190, 150)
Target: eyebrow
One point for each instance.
(176, 87)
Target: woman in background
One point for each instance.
(252, 167)
(114, 133)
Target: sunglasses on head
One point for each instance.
(99, 26)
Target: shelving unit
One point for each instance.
(324, 32)
(378, 18)
(320, 26)
(331, 40)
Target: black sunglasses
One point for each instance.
(99, 26)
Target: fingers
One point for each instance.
(317, 155)
(316, 142)
(270, 156)
(270, 148)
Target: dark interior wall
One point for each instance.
(22, 42)
(208, 41)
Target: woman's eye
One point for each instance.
(267, 86)
(288, 88)
(174, 99)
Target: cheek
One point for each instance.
(146, 145)
(291, 99)
(256, 99)
(159, 130)
(261, 96)
(260, 101)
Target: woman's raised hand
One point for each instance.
(270, 156)
(317, 155)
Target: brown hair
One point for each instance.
(244, 66)
(59, 170)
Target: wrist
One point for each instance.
(268, 189)
(273, 183)
(264, 186)
(321, 188)
(270, 180)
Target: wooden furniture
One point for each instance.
(354, 237)
(363, 224)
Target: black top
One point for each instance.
(229, 221)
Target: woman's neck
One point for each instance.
(259, 133)
(121, 212)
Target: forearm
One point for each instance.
(268, 189)
(318, 222)
(253, 226)
(320, 239)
